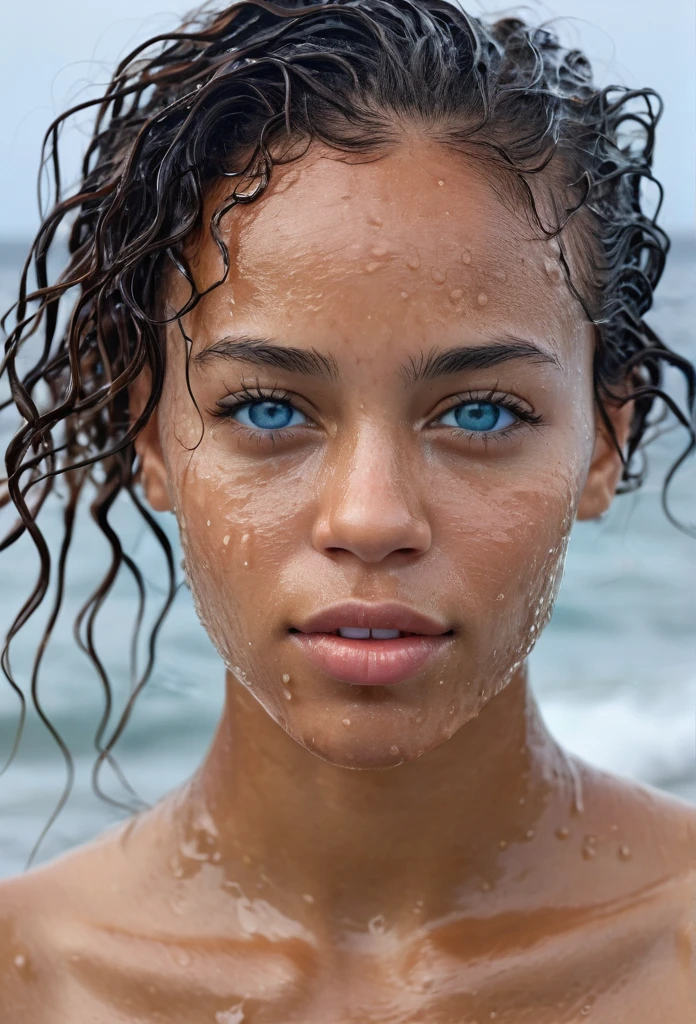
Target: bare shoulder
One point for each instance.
(640, 817)
(42, 915)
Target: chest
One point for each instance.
(603, 973)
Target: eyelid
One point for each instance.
(521, 408)
(248, 395)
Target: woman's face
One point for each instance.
(364, 464)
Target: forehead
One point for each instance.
(420, 234)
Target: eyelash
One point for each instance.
(246, 396)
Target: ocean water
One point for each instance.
(615, 671)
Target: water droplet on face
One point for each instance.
(246, 565)
(404, 295)
(456, 294)
(482, 299)
(371, 267)
(287, 694)
(208, 523)
(285, 677)
(442, 682)
(553, 271)
(235, 1015)
(346, 722)
(226, 539)
(20, 960)
(413, 262)
(307, 897)
(380, 250)
(438, 276)
(562, 833)
(624, 852)
(441, 182)
(529, 834)
(452, 709)
(588, 852)
(466, 257)
(394, 750)
(419, 720)
(376, 925)
(586, 1010)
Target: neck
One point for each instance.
(356, 845)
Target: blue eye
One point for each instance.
(267, 415)
(479, 417)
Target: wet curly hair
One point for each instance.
(231, 93)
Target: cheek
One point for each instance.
(508, 549)
(238, 527)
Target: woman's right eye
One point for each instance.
(267, 415)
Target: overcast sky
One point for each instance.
(51, 50)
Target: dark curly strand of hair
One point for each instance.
(229, 94)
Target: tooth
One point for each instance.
(385, 634)
(354, 633)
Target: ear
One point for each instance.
(606, 466)
(152, 469)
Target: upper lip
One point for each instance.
(388, 615)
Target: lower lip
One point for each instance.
(369, 662)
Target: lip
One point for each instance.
(386, 615)
(371, 662)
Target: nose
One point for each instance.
(368, 504)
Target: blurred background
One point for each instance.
(615, 672)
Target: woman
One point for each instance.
(356, 292)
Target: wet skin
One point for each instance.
(418, 852)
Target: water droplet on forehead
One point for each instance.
(346, 722)
(380, 250)
(466, 257)
(456, 294)
(285, 677)
(371, 267)
(226, 539)
(482, 299)
(413, 262)
(394, 750)
(438, 276)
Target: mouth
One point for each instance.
(371, 645)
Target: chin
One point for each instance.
(363, 751)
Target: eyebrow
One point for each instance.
(266, 352)
(437, 363)
(474, 357)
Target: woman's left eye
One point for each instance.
(268, 415)
(479, 417)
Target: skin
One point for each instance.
(420, 852)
